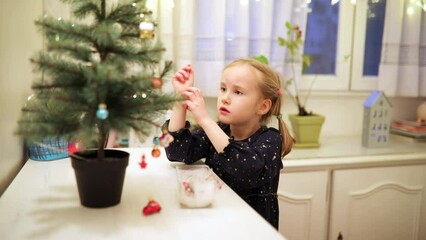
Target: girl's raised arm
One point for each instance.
(182, 80)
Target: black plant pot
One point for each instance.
(100, 183)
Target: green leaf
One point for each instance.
(282, 41)
(262, 59)
(288, 25)
(306, 62)
(288, 82)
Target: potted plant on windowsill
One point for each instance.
(306, 125)
(97, 77)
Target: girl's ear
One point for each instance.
(264, 106)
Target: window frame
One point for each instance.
(359, 82)
(341, 80)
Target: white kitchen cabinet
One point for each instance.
(302, 201)
(386, 203)
(362, 193)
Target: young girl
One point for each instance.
(239, 148)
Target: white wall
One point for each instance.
(19, 40)
(344, 111)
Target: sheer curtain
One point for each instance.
(402, 71)
(210, 34)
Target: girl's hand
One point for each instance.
(195, 104)
(183, 79)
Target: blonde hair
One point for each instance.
(270, 87)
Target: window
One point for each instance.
(321, 33)
(373, 37)
(328, 40)
(368, 32)
(352, 62)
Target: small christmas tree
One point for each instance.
(98, 73)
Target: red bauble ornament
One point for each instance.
(156, 152)
(74, 147)
(151, 207)
(157, 83)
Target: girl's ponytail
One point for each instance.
(288, 140)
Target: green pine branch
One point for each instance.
(56, 65)
(62, 30)
(76, 51)
(84, 8)
(168, 67)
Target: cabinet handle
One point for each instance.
(340, 237)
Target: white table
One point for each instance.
(42, 203)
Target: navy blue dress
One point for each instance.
(251, 167)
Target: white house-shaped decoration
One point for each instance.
(377, 120)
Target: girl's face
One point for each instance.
(240, 100)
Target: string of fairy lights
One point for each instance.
(410, 9)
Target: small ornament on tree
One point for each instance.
(74, 147)
(146, 27)
(155, 152)
(156, 140)
(102, 112)
(156, 83)
(164, 141)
